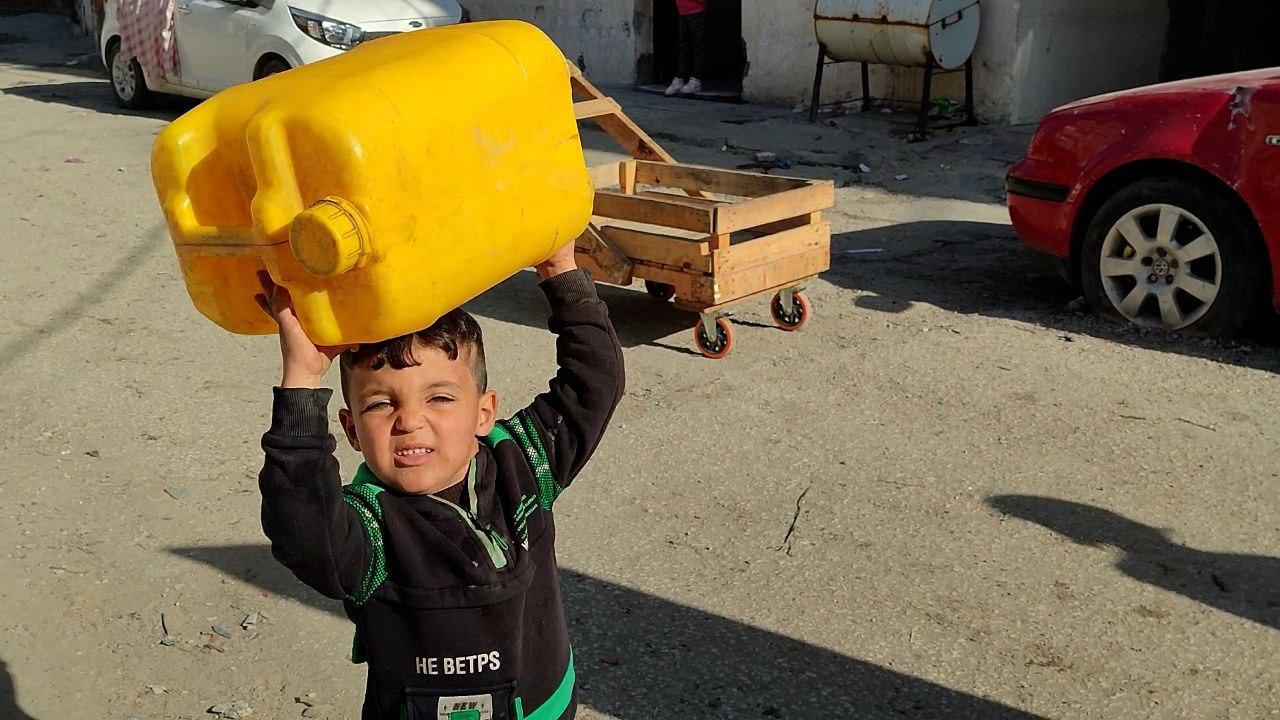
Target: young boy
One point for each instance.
(443, 547)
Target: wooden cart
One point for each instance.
(708, 238)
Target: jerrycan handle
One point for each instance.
(330, 238)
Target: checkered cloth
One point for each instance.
(146, 32)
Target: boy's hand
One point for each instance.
(561, 262)
(304, 362)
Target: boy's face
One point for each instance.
(417, 427)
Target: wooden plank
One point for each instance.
(588, 109)
(674, 212)
(788, 224)
(626, 133)
(798, 282)
(772, 248)
(724, 182)
(659, 248)
(742, 283)
(760, 211)
(603, 176)
(691, 289)
(627, 177)
(635, 141)
(704, 202)
(610, 263)
(618, 126)
(588, 263)
(580, 84)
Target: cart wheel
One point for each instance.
(718, 347)
(794, 317)
(659, 291)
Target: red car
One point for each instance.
(1161, 203)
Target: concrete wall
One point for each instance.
(603, 33)
(783, 51)
(1032, 55)
(1067, 51)
(613, 37)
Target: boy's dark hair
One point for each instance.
(453, 334)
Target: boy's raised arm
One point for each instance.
(571, 416)
(312, 531)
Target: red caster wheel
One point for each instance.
(714, 347)
(659, 291)
(790, 310)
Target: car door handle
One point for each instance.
(182, 7)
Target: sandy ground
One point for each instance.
(1001, 507)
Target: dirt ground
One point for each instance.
(953, 495)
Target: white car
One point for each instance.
(221, 43)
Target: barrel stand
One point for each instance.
(922, 122)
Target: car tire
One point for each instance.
(128, 83)
(1173, 253)
(272, 66)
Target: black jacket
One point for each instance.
(457, 606)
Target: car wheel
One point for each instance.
(1172, 254)
(128, 83)
(272, 66)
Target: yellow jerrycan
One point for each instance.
(383, 187)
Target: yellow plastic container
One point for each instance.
(383, 187)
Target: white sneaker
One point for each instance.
(693, 87)
(676, 86)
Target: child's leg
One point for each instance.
(693, 42)
(686, 50)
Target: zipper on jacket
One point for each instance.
(489, 539)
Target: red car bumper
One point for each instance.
(1042, 205)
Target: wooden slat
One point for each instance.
(588, 263)
(790, 283)
(788, 224)
(724, 182)
(742, 283)
(609, 263)
(691, 289)
(588, 109)
(760, 211)
(627, 177)
(704, 202)
(620, 127)
(674, 212)
(658, 248)
(772, 248)
(635, 141)
(580, 84)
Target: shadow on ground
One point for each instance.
(678, 661)
(1244, 585)
(32, 38)
(52, 44)
(979, 268)
(9, 709)
(96, 95)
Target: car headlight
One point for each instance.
(334, 33)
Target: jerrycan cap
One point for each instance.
(329, 238)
